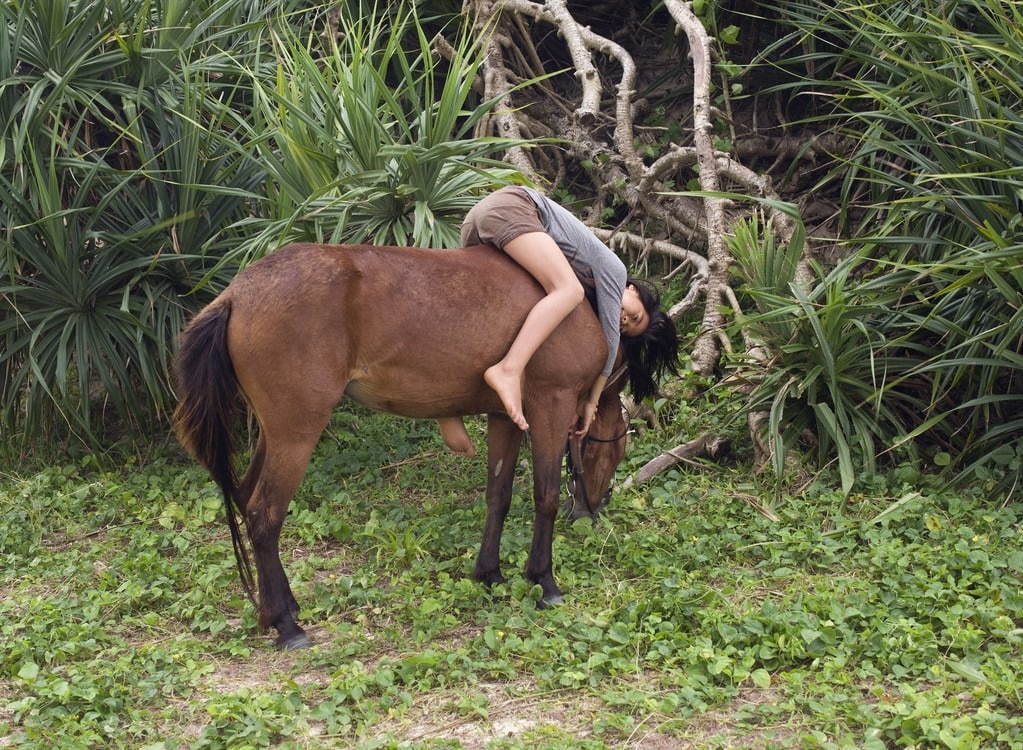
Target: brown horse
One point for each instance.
(402, 330)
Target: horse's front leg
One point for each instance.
(548, 436)
(503, 441)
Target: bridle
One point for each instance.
(576, 472)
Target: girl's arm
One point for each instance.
(590, 407)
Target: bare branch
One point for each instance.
(677, 158)
(442, 47)
(697, 280)
(589, 107)
(495, 80)
(636, 242)
(705, 350)
(705, 446)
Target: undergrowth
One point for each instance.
(704, 607)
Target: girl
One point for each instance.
(564, 256)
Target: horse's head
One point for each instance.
(592, 459)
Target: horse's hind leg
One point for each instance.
(286, 458)
(248, 485)
(503, 440)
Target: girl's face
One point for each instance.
(635, 318)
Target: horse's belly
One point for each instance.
(418, 405)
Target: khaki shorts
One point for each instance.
(501, 217)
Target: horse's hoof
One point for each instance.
(549, 601)
(489, 579)
(297, 641)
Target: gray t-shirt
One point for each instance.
(593, 262)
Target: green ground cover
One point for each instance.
(692, 618)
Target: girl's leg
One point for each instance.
(541, 256)
(452, 429)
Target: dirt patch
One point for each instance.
(265, 665)
(495, 710)
(512, 710)
(189, 731)
(254, 672)
(6, 714)
(720, 728)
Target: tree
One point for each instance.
(888, 127)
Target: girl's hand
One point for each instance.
(586, 415)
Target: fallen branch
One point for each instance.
(706, 446)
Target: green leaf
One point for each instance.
(619, 633)
(827, 419)
(761, 678)
(895, 507)
(430, 605)
(29, 671)
(729, 34)
(490, 639)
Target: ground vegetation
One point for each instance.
(700, 613)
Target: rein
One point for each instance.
(614, 376)
(576, 472)
(615, 439)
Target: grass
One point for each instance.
(692, 619)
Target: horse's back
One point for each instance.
(405, 330)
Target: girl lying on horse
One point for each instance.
(564, 256)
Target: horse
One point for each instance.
(407, 331)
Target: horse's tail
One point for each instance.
(207, 402)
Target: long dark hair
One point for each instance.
(655, 351)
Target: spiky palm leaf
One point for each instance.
(931, 94)
(147, 149)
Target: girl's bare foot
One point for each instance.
(509, 390)
(452, 429)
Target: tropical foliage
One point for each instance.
(149, 148)
(919, 332)
(368, 140)
(113, 177)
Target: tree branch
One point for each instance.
(495, 82)
(705, 350)
(705, 446)
(697, 280)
